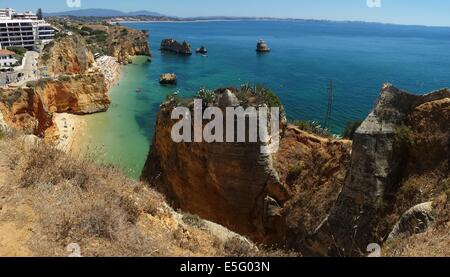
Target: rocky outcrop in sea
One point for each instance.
(174, 46)
(262, 47)
(168, 79)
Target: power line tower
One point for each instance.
(330, 89)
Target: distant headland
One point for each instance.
(116, 16)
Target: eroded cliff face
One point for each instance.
(322, 196)
(228, 183)
(400, 156)
(174, 46)
(67, 55)
(31, 109)
(22, 109)
(84, 94)
(125, 43)
(314, 169)
(273, 199)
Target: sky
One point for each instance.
(411, 12)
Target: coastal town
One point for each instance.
(34, 52)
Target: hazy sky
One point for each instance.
(423, 12)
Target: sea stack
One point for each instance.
(174, 46)
(168, 79)
(202, 50)
(262, 47)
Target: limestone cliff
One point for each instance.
(124, 43)
(23, 110)
(227, 183)
(67, 55)
(274, 199)
(400, 157)
(84, 94)
(319, 195)
(30, 109)
(174, 46)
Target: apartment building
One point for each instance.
(23, 29)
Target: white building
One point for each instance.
(6, 13)
(7, 58)
(23, 29)
(25, 15)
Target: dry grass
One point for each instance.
(72, 200)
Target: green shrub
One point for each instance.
(351, 128)
(173, 97)
(13, 97)
(207, 96)
(313, 127)
(18, 50)
(294, 172)
(64, 78)
(258, 95)
(87, 29)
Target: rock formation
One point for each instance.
(67, 55)
(261, 196)
(319, 195)
(174, 46)
(416, 220)
(30, 109)
(202, 50)
(124, 43)
(404, 136)
(83, 94)
(3, 126)
(262, 47)
(225, 183)
(168, 79)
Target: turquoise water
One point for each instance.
(306, 55)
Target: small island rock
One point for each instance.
(174, 46)
(262, 47)
(168, 79)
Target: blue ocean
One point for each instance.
(306, 55)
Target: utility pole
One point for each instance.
(330, 89)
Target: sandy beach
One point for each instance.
(110, 68)
(71, 128)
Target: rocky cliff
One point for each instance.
(67, 55)
(124, 43)
(319, 195)
(400, 158)
(31, 109)
(263, 196)
(174, 46)
(228, 183)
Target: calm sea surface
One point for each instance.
(306, 55)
